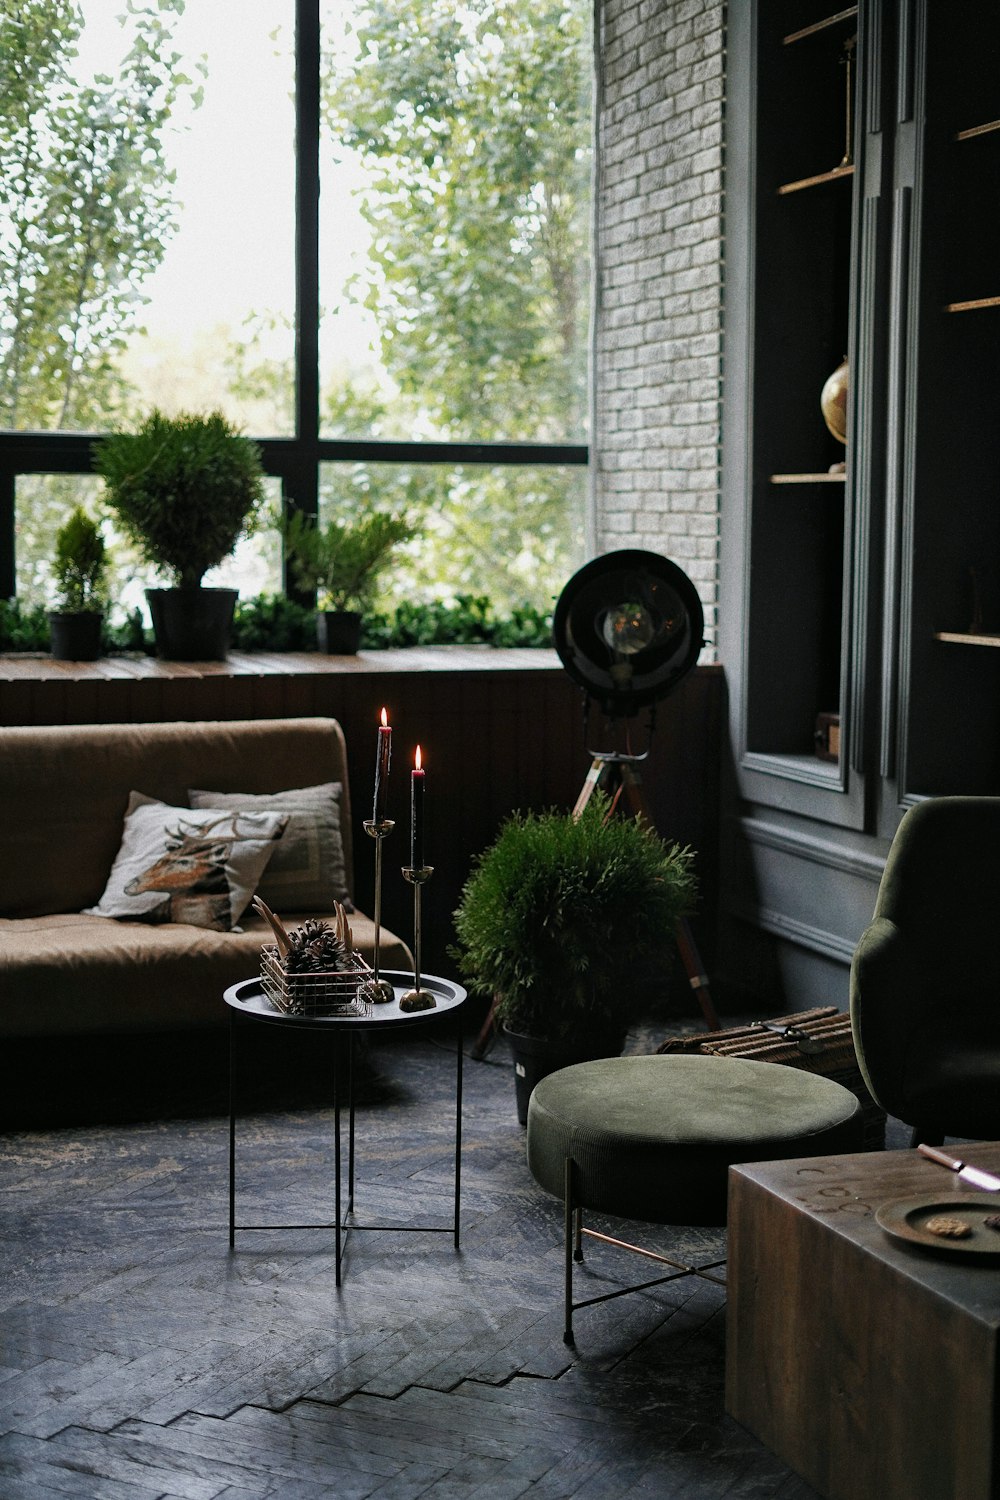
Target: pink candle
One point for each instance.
(382, 759)
(417, 814)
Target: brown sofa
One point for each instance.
(63, 794)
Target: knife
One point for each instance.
(985, 1181)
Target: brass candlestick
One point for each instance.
(417, 998)
(378, 991)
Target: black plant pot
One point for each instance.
(536, 1057)
(192, 624)
(338, 631)
(76, 636)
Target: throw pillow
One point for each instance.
(308, 870)
(175, 865)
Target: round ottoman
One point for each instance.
(653, 1138)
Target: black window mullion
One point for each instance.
(307, 129)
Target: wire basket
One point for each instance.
(336, 993)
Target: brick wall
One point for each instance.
(658, 294)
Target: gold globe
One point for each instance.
(833, 402)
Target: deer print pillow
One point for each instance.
(179, 865)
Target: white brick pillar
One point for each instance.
(657, 350)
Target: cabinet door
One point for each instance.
(807, 263)
(945, 509)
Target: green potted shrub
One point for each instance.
(563, 922)
(343, 561)
(79, 570)
(185, 489)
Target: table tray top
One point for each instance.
(248, 998)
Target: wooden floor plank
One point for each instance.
(140, 1357)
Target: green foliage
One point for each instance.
(184, 488)
(80, 565)
(273, 622)
(561, 918)
(470, 621)
(23, 628)
(128, 637)
(473, 125)
(344, 559)
(87, 205)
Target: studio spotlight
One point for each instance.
(628, 627)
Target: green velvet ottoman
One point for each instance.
(653, 1138)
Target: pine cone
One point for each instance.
(315, 948)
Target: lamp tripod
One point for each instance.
(621, 778)
(627, 627)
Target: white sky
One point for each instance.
(234, 158)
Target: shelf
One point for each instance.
(820, 177)
(808, 478)
(967, 638)
(974, 130)
(841, 15)
(974, 305)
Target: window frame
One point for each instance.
(295, 460)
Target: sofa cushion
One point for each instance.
(69, 974)
(306, 872)
(181, 865)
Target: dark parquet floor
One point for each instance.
(142, 1360)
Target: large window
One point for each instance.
(362, 233)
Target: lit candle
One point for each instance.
(382, 758)
(417, 814)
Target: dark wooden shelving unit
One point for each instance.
(838, 591)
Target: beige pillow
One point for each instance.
(175, 865)
(307, 871)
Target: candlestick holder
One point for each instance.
(378, 991)
(417, 998)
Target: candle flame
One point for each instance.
(416, 759)
(385, 719)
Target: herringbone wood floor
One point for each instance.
(141, 1359)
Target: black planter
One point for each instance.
(76, 637)
(192, 624)
(535, 1058)
(338, 631)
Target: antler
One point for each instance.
(343, 928)
(275, 923)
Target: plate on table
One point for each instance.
(907, 1219)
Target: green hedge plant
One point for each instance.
(185, 489)
(562, 918)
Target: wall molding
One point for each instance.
(799, 845)
(803, 934)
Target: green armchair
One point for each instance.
(925, 980)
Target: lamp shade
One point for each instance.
(628, 627)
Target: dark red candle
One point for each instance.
(417, 814)
(382, 759)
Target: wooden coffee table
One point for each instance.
(866, 1361)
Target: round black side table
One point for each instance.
(248, 1000)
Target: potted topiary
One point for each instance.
(185, 489)
(343, 560)
(563, 922)
(79, 570)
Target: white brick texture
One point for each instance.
(658, 295)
